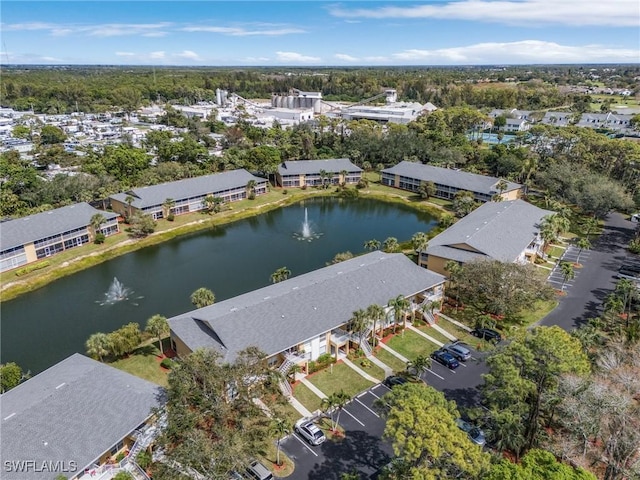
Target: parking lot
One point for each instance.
(363, 449)
(572, 254)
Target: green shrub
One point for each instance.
(171, 217)
(365, 363)
(99, 238)
(143, 459)
(123, 476)
(167, 363)
(634, 246)
(120, 457)
(32, 268)
(284, 192)
(252, 196)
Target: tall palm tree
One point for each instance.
(203, 297)
(399, 305)
(358, 323)
(251, 188)
(501, 186)
(158, 327)
(582, 244)
(568, 272)
(98, 345)
(390, 245)
(129, 199)
(454, 269)
(419, 242)
(280, 427)
(167, 205)
(419, 365)
(280, 275)
(95, 222)
(336, 402)
(627, 291)
(372, 245)
(377, 314)
(590, 226)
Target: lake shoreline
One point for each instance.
(10, 289)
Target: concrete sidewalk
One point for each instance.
(352, 365)
(422, 334)
(313, 388)
(393, 352)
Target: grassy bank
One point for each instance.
(77, 259)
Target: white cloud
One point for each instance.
(257, 59)
(30, 26)
(242, 32)
(97, 30)
(157, 55)
(522, 52)
(622, 13)
(345, 57)
(27, 58)
(188, 54)
(293, 57)
(125, 54)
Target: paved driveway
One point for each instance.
(597, 277)
(572, 254)
(362, 449)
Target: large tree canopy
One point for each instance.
(500, 288)
(213, 425)
(421, 426)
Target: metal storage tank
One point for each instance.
(274, 100)
(290, 101)
(317, 106)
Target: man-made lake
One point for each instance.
(43, 327)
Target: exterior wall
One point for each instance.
(120, 207)
(512, 195)
(180, 347)
(437, 264)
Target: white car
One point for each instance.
(310, 432)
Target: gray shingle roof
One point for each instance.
(285, 314)
(15, 233)
(74, 411)
(499, 230)
(307, 167)
(188, 187)
(445, 176)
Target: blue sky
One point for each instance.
(297, 33)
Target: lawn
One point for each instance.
(556, 251)
(307, 398)
(433, 333)
(460, 333)
(340, 377)
(286, 411)
(373, 369)
(388, 359)
(539, 311)
(144, 363)
(411, 345)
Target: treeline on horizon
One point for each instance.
(65, 89)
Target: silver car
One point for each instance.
(458, 351)
(475, 434)
(310, 432)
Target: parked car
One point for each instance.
(446, 359)
(487, 334)
(630, 272)
(461, 353)
(258, 471)
(476, 435)
(310, 431)
(394, 380)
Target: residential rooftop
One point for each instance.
(189, 187)
(460, 180)
(282, 315)
(496, 230)
(308, 167)
(14, 233)
(74, 411)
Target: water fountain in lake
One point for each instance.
(306, 233)
(117, 293)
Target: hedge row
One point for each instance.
(31, 268)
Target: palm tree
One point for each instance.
(582, 244)
(390, 245)
(280, 427)
(158, 327)
(168, 204)
(358, 323)
(420, 242)
(377, 314)
(251, 189)
(454, 269)
(627, 291)
(335, 402)
(419, 365)
(95, 222)
(372, 245)
(501, 187)
(343, 176)
(280, 275)
(399, 305)
(98, 345)
(590, 226)
(568, 273)
(212, 203)
(203, 297)
(129, 199)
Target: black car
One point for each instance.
(446, 359)
(487, 334)
(394, 380)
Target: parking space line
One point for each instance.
(371, 392)
(431, 371)
(358, 400)
(352, 416)
(305, 444)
